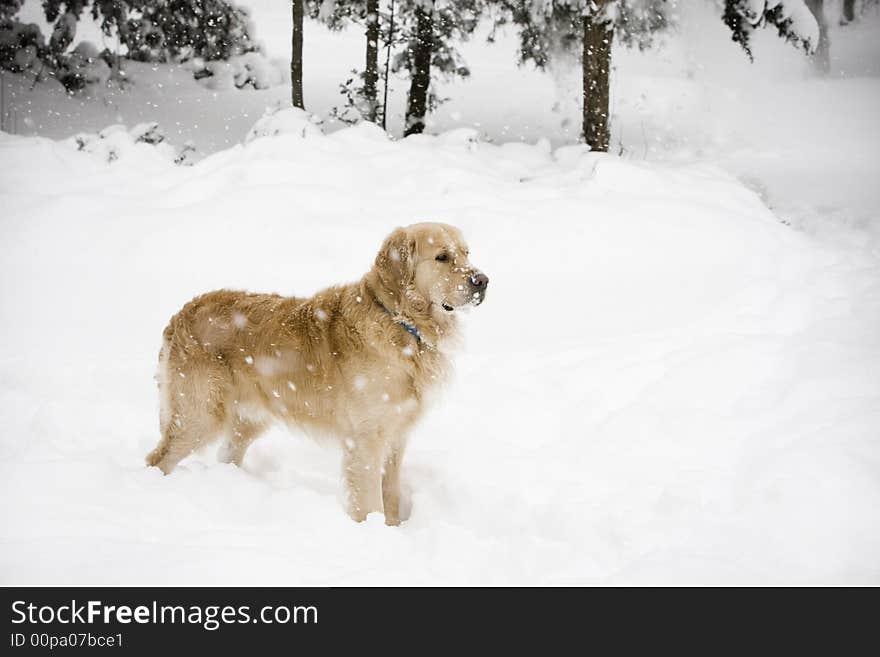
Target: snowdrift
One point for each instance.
(666, 383)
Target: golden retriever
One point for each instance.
(356, 362)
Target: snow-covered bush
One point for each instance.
(82, 67)
(290, 120)
(213, 35)
(251, 69)
(23, 49)
(468, 138)
(116, 141)
(9, 8)
(22, 46)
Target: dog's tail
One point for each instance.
(156, 456)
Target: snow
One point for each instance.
(289, 120)
(753, 10)
(143, 140)
(673, 379)
(671, 385)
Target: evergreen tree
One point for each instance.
(549, 28)
(150, 30)
(361, 90)
(430, 30)
(791, 18)
(423, 34)
(175, 30)
(418, 63)
(371, 60)
(296, 57)
(21, 46)
(25, 49)
(598, 34)
(159, 30)
(65, 15)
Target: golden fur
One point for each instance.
(340, 363)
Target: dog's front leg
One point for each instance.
(391, 485)
(362, 466)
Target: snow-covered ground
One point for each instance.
(807, 146)
(675, 377)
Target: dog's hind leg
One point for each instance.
(178, 442)
(192, 393)
(240, 433)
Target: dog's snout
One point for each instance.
(480, 281)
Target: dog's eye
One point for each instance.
(443, 257)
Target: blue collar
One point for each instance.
(412, 329)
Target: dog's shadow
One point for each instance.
(286, 461)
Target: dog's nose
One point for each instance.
(480, 281)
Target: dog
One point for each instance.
(357, 362)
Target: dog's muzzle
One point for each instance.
(479, 282)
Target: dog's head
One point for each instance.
(426, 267)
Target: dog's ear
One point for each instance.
(394, 262)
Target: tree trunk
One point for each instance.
(388, 43)
(371, 68)
(598, 34)
(420, 75)
(822, 56)
(296, 58)
(849, 11)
